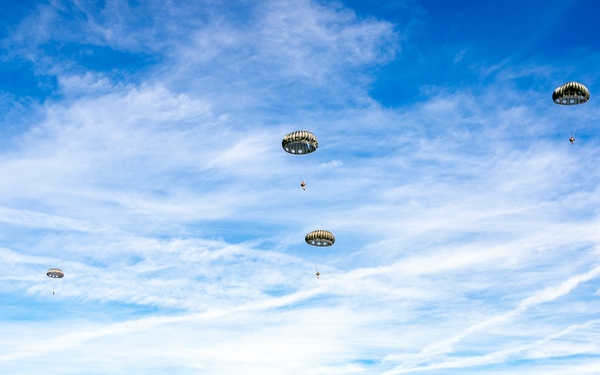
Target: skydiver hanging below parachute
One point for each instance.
(300, 142)
(55, 273)
(571, 93)
(320, 238)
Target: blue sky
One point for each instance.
(141, 154)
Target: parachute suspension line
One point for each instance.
(572, 133)
(569, 129)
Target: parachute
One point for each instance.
(55, 273)
(571, 93)
(320, 238)
(300, 143)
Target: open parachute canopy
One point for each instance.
(320, 238)
(300, 142)
(55, 273)
(571, 93)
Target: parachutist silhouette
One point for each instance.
(572, 140)
(303, 185)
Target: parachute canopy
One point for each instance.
(300, 142)
(55, 273)
(571, 93)
(320, 238)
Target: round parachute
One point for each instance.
(320, 238)
(55, 273)
(571, 93)
(300, 142)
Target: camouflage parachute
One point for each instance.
(571, 93)
(300, 143)
(320, 238)
(55, 273)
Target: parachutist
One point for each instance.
(318, 274)
(301, 142)
(55, 273)
(571, 94)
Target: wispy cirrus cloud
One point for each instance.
(466, 224)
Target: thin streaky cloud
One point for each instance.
(141, 154)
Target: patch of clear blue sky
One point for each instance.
(23, 78)
(32, 81)
(17, 76)
(18, 82)
(13, 13)
(450, 39)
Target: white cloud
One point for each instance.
(461, 220)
